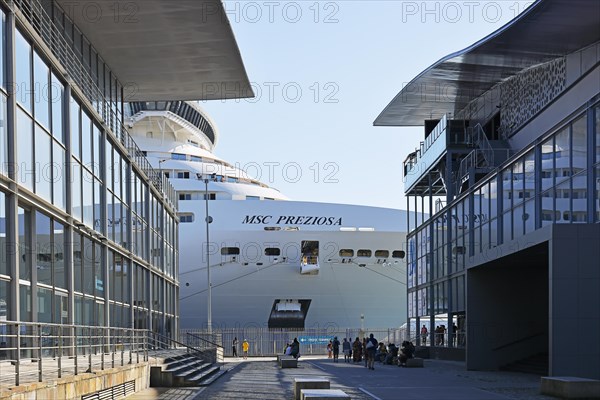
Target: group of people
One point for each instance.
(369, 350)
(292, 349)
(245, 347)
(440, 332)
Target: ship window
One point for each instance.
(185, 196)
(211, 196)
(177, 156)
(183, 175)
(252, 198)
(346, 253)
(186, 218)
(230, 251)
(272, 251)
(272, 228)
(382, 253)
(196, 158)
(398, 254)
(363, 253)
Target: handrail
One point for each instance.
(204, 340)
(63, 349)
(518, 341)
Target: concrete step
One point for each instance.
(192, 370)
(205, 375)
(213, 377)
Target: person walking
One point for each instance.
(336, 349)
(356, 350)
(245, 348)
(424, 335)
(371, 347)
(234, 346)
(329, 349)
(347, 349)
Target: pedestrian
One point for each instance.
(347, 349)
(295, 348)
(371, 347)
(234, 346)
(245, 348)
(329, 349)
(336, 349)
(356, 350)
(424, 335)
(364, 352)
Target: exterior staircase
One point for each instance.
(188, 369)
(485, 157)
(187, 365)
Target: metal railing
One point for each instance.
(209, 350)
(42, 23)
(265, 342)
(41, 351)
(70, 347)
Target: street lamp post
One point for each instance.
(208, 220)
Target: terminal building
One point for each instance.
(88, 230)
(506, 250)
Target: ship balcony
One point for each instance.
(446, 134)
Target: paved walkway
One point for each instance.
(447, 380)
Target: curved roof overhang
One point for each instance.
(164, 49)
(548, 29)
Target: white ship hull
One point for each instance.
(245, 286)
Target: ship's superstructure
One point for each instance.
(273, 262)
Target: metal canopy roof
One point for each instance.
(165, 49)
(546, 30)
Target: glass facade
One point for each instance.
(555, 180)
(94, 228)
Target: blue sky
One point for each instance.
(322, 72)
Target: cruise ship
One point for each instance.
(271, 262)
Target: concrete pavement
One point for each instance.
(261, 378)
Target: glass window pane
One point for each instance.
(86, 140)
(562, 155)
(97, 137)
(76, 187)
(597, 112)
(24, 245)
(58, 245)
(77, 263)
(58, 175)
(3, 136)
(44, 250)
(41, 86)
(88, 266)
(3, 232)
(579, 148)
(88, 198)
(507, 189)
(25, 173)
(2, 48)
(43, 164)
(98, 271)
(23, 71)
(57, 91)
(75, 134)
